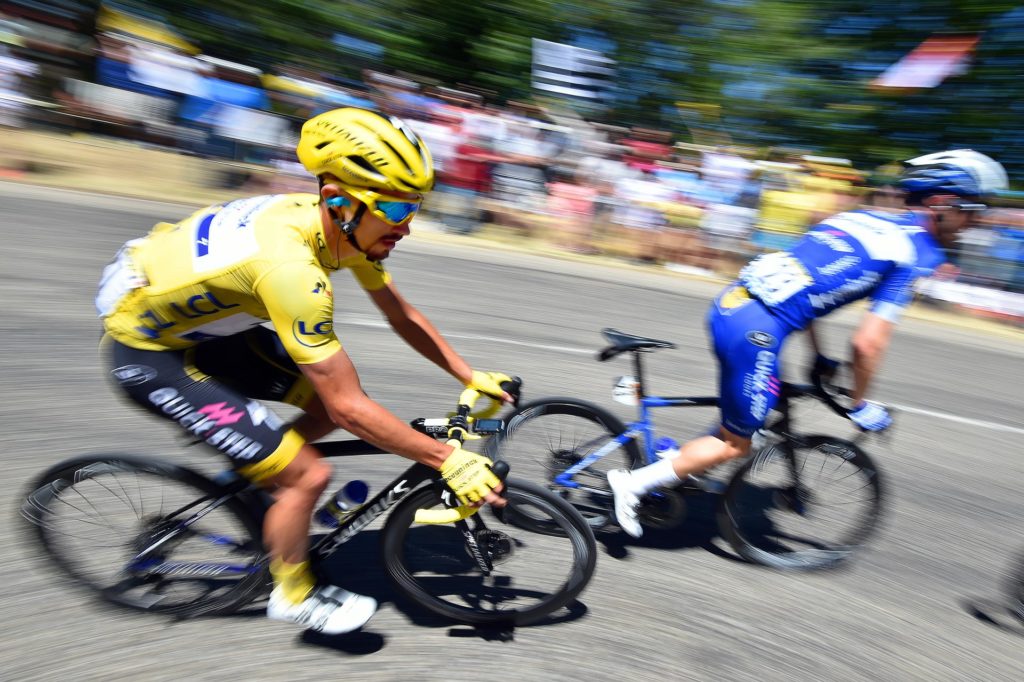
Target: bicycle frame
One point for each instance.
(410, 480)
(388, 497)
(643, 427)
(393, 493)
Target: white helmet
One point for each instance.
(988, 174)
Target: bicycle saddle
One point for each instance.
(622, 342)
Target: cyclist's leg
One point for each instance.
(217, 408)
(209, 392)
(256, 364)
(747, 342)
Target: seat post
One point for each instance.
(638, 370)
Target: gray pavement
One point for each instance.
(673, 605)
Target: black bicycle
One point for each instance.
(799, 502)
(162, 538)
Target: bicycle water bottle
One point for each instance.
(666, 448)
(342, 503)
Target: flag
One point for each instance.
(929, 63)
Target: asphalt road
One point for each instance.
(674, 605)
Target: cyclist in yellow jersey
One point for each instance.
(184, 311)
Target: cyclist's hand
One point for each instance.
(470, 477)
(870, 416)
(489, 383)
(824, 367)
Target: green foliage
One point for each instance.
(764, 72)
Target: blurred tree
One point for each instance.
(266, 34)
(762, 72)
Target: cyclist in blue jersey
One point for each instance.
(875, 254)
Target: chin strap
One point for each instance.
(348, 228)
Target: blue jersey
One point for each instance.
(845, 258)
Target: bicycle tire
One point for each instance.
(545, 437)
(766, 521)
(1015, 590)
(432, 566)
(105, 493)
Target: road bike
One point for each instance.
(162, 538)
(798, 502)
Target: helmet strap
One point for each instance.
(348, 227)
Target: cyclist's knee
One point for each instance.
(735, 444)
(318, 477)
(308, 473)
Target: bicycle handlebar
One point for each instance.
(826, 391)
(469, 397)
(456, 429)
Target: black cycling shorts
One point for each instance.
(212, 392)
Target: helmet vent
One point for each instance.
(397, 154)
(362, 163)
(323, 144)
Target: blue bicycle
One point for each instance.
(798, 502)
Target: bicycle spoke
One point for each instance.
(534, 556)
(815, 523)
(97, 524)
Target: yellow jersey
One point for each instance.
(229, 267)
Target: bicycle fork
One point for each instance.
(483, 561)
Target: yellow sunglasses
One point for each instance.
(391, 210)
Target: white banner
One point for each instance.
(571, 71)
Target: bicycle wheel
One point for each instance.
(770, 520)
(532, 574)
(545, 437)
(1015, 591)
(148, 535)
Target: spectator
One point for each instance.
(638, 214)
(13, 70)
(466, 180)
(571, 204)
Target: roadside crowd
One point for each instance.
(536, 170)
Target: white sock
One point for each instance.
(657, 475)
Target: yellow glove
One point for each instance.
(488, 383)
(469, 475)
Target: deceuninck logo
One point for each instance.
(219, 415)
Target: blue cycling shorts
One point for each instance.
(747, 340)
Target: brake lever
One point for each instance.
(514, 388)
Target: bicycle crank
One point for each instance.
(494, 544)
(662, 509)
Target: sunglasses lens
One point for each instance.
(396, 211)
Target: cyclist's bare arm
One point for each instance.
(414, 327)
(347, 406)
(337, 383)
(870, 342)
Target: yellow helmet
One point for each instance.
(362, 148)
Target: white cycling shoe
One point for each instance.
(626, 502)
(328, 609)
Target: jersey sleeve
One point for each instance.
(299, 299)
(894, 293)
(371, 275)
